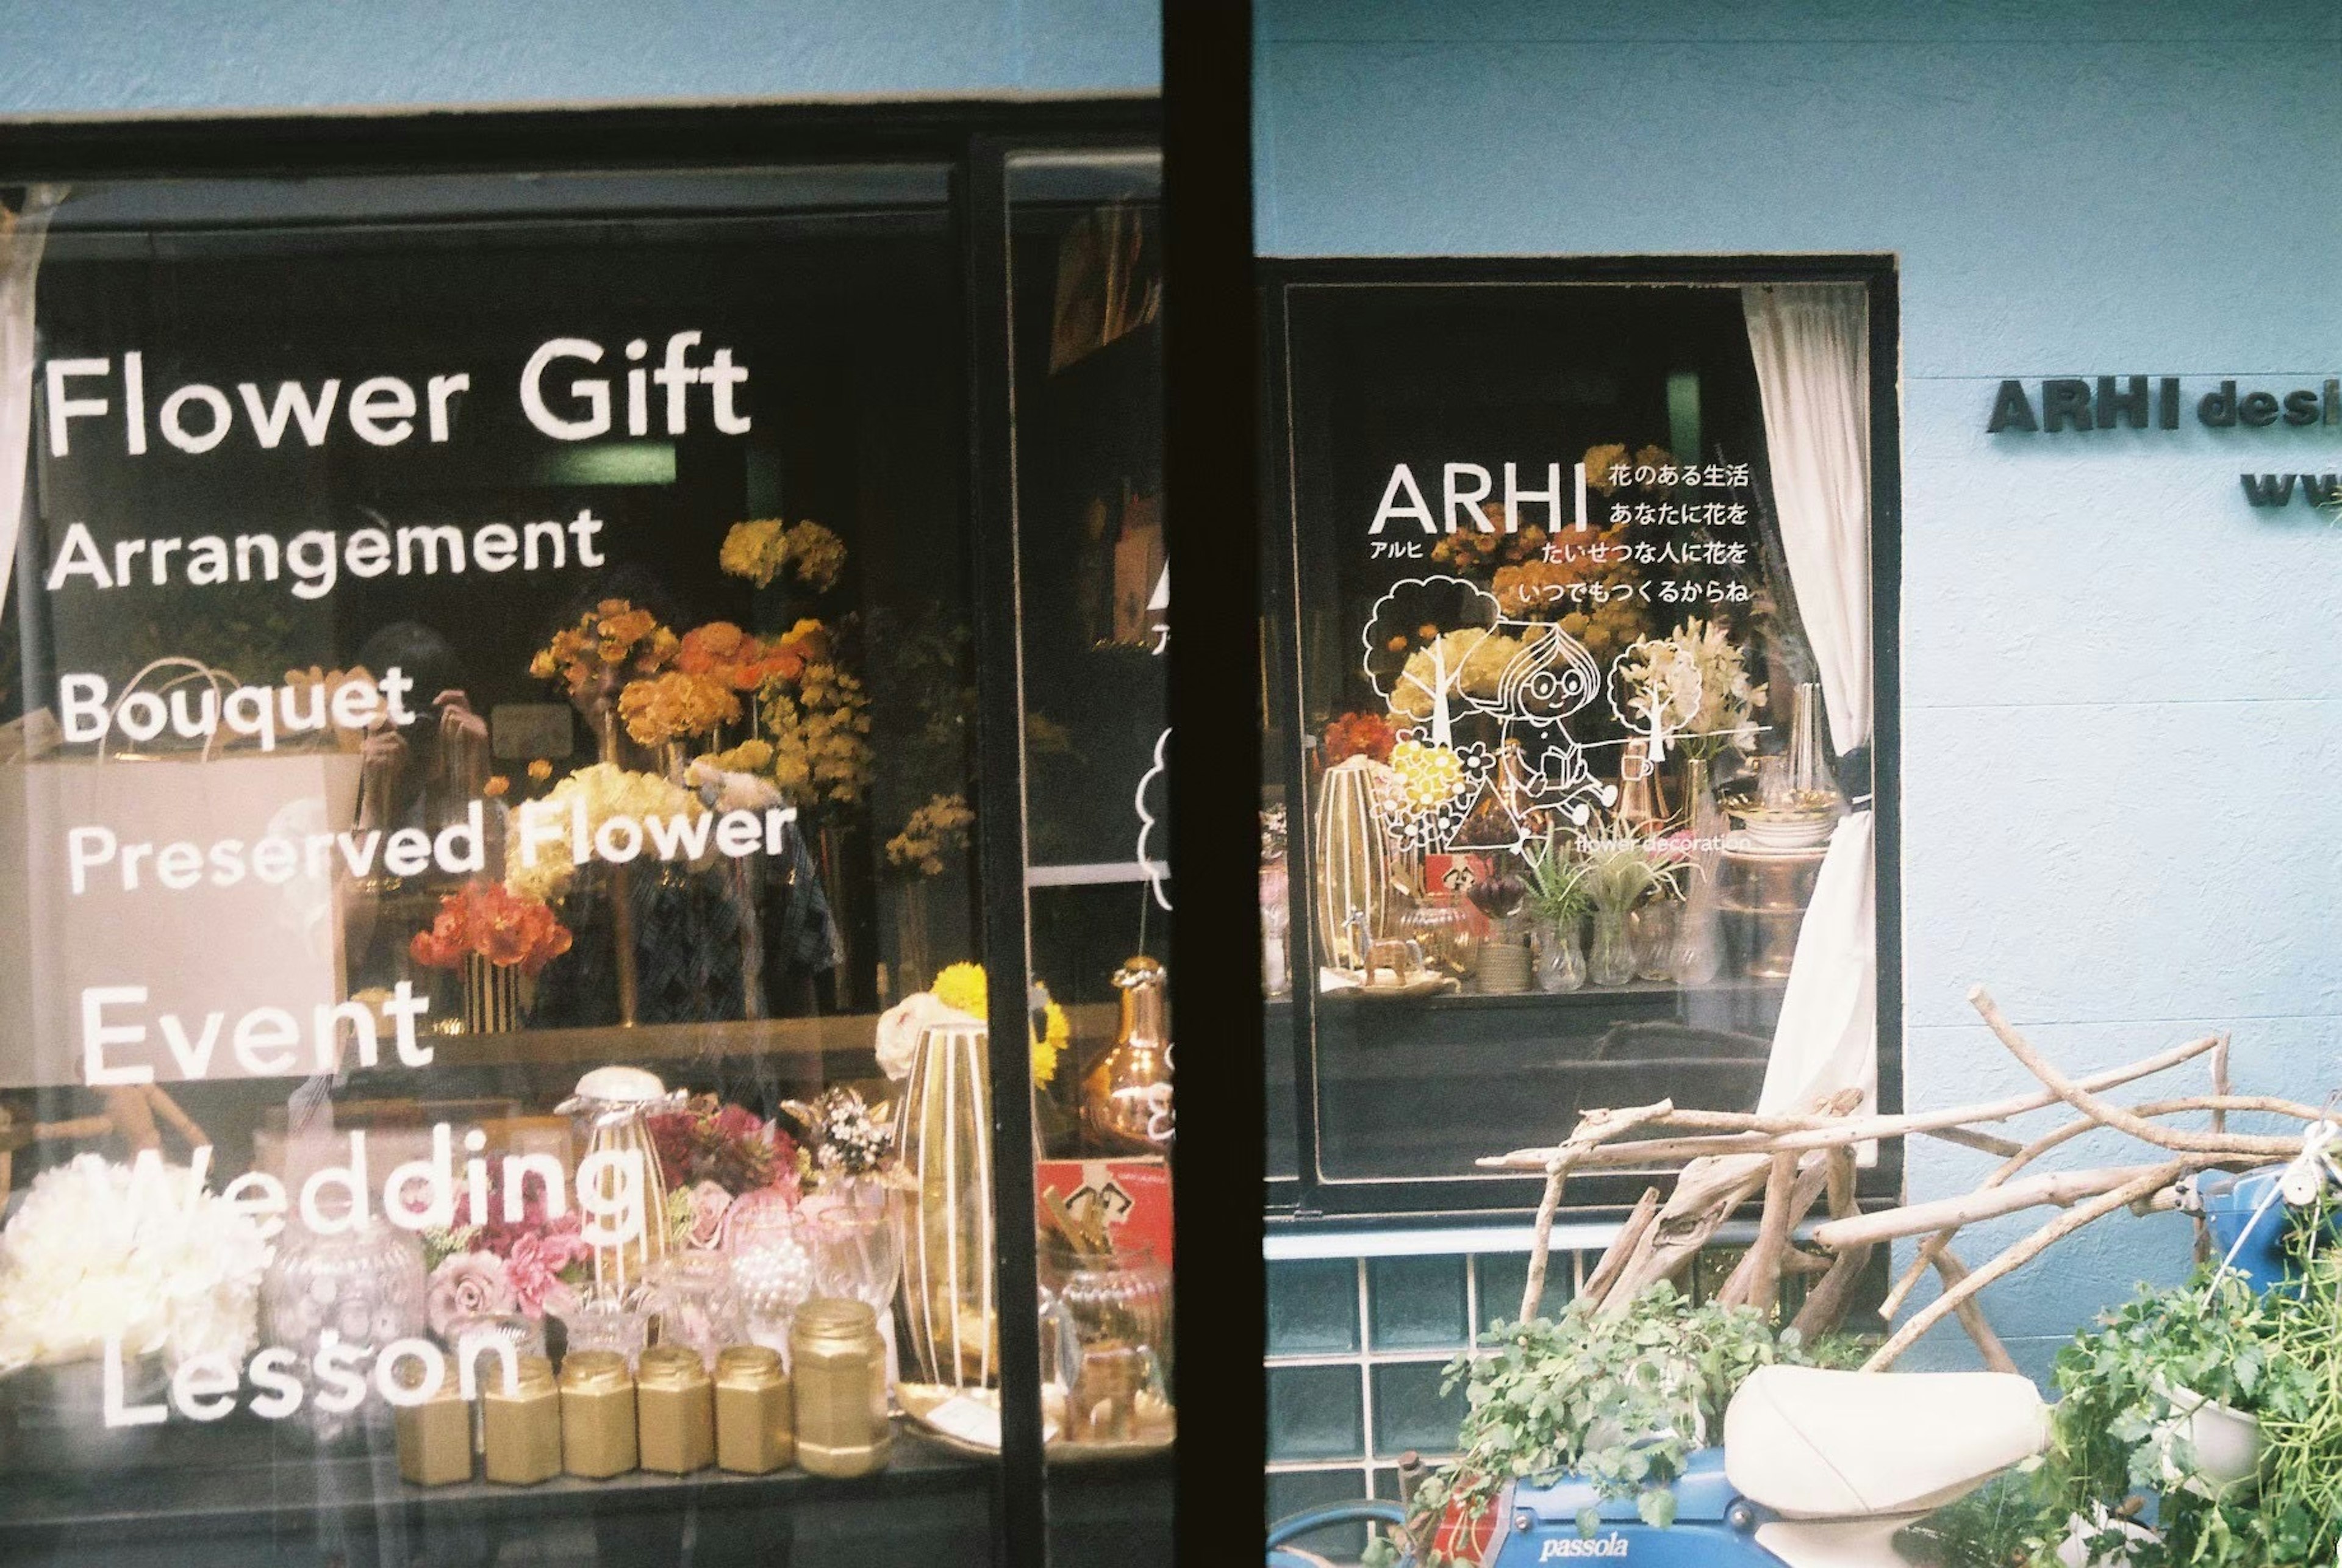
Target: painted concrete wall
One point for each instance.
(119, 55)
(2122, 687)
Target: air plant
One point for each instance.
(1622, 867)
(1558, 891)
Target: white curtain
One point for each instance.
(21, 236)
(1811, 343)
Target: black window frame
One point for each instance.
(1305, 1199)
(976, 136)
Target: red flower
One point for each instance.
(486, 919)
(1359, 735)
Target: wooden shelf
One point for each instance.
(842, 1045)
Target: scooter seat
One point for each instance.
(1810, 1443)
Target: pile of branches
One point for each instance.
(1796, 1162)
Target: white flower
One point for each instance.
(143, 1253)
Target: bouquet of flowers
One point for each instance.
(487, 918)
(1691, 686)
(143, 1254)
(820, 728)
(609, 642)
(745, 662)
(676, 703)
(1369, 735)
(931, 832)
(712, 1154)
(846, 1136)
(762, 549)
(607, 791)
(533, 1265)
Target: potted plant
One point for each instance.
(1623, 867)
(1557, 900)
(1620, 1398)
(2223, 1405)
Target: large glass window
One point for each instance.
(1570, 710)
(501, 863)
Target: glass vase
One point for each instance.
(1560, 959)
(1699, 939)
(1612, 960)
(692, 1303)
(772, 1269)
(364, 1286)
(1440, 923)
(1651, 931)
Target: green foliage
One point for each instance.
(1994, 1526)
(2275, 1355)
(1560, 886)
(1622, 1399)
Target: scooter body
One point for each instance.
(1818, 1470)
(1715, 1526)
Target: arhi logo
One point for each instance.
(1575, 1548)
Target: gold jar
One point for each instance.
(755, 1425)
(675, 1403)
(840, 1367)
(435, 1438)
(520, 1423)
(597, 1414)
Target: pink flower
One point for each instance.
(464, 1284)
(709, 1203)
(534, 1267)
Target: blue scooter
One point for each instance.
(1818, 1469)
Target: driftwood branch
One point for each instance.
(2017, 1258)
(1970, 1313)
(1758, 1278)
(2082, 1099)
(1822, 1133)
(1593, 1127)
(1622, 1247)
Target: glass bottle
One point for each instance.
(1810, 783)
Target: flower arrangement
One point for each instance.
(931, 832)
(488, 919)
(1559, 889)
(820, 735)
(847, 1137)
(707, 1140)
(1369, 735)
(965, 988)
(1468, 663)
(745, 662)
(144, 1254)
(611, 642)
(711, 1155)
(533, 1266)
(1693, 685)
(607, 791)
(762, 549)
(674, 705)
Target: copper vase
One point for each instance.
(1127, 1093)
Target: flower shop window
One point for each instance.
(1580, 708)
(502, 675)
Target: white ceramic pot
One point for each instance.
(2215, 1447)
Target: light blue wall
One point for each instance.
(118, 56)
(2122, 689)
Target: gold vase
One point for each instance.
(1126, 1094)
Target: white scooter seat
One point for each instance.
(1815, 1445)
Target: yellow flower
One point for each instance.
(607, 791)
(962, 986)
(540, 769)
(750, 757)
(1429, 776)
